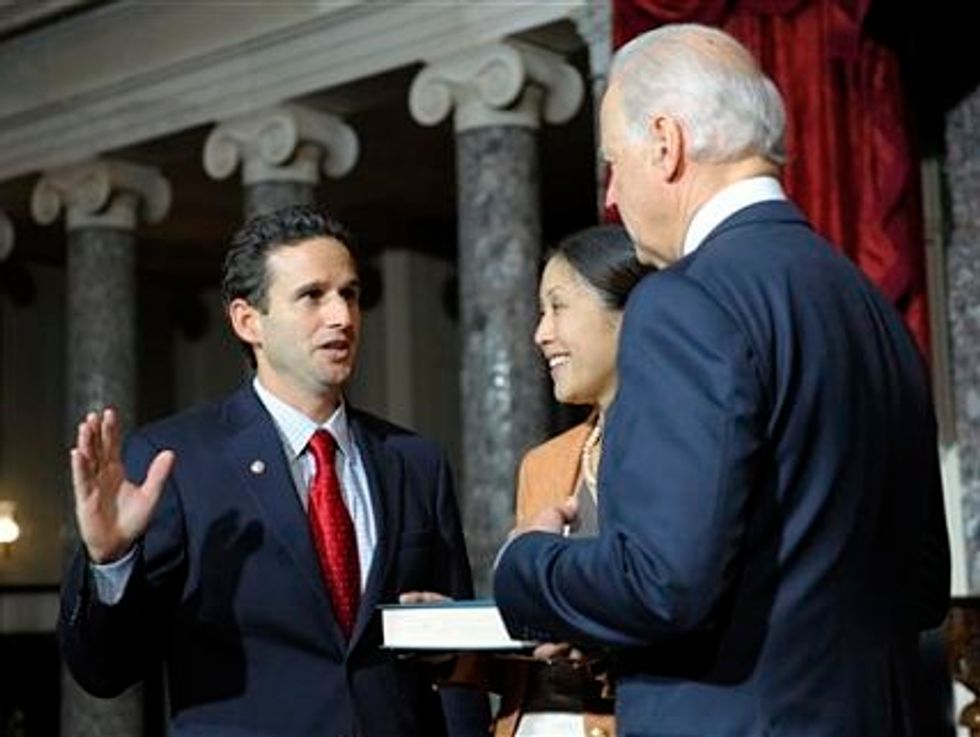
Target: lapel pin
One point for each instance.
(257, 467)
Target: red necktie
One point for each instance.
(333, 533)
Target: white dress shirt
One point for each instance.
(295, 430)
(727, 202)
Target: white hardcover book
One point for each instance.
(447, 625)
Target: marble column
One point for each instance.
(103, 202)
(594, 23)
(282, 151)
(963, 271)
(499, 93)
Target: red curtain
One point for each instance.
(851, 167)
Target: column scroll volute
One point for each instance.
(103, 193)
(506, 83)
(285, 143)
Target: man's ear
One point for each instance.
(667, 146)
(244, 319)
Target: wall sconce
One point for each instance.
(9, 529)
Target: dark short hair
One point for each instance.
(603, 255)
(245, 273)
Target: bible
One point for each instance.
(447, 626)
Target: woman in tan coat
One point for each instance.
(583, 291)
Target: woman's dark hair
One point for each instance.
(605, 257)
(245, 274)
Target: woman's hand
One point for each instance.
(552, 651)
(421, 597)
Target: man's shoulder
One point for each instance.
(391, 436)
(203, 421)
(679, 288)
(768, 248)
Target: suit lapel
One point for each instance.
(255, 451)
(385, 478)
(255, 444)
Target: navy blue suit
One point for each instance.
(227, 588)
(772, 534)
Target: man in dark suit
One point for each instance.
(261, 531)
(772, 535)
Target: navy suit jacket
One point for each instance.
(772, 534)
(228, 592)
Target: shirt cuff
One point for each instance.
(110, 579)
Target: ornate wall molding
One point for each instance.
(66, 97)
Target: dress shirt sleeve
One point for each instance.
(110, 579)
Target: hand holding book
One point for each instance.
(549, 652)
(422, 597)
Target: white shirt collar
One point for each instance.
(727, 202)
(296, 428)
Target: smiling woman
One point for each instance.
(576, 334)
(584, 286)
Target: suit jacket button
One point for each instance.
(598, 732)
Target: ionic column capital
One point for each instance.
(506, 83)
(101, 193)
(594, 23)
(6, 236)
(284, 143)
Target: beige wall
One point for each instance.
(33, 452)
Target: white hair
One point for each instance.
(728, 107)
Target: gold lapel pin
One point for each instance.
(257, 467)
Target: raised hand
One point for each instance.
(112, 512)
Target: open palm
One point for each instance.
(112, 512)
